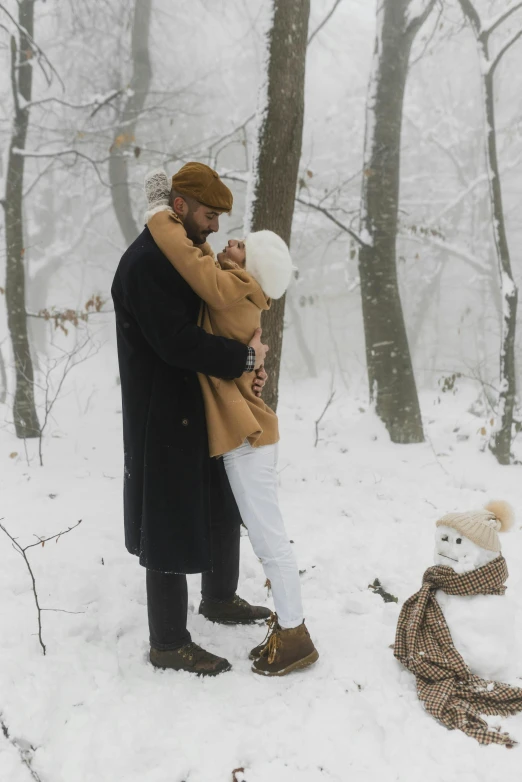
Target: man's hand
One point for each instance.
(260, 380)
(261, 350)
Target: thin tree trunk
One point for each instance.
(273, 182)
(24, 411)
(501, 444)
(3, 379)
(124, 144)
(390, 371)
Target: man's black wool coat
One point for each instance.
(167, 466)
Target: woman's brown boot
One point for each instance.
(272, 623)
(286, 651)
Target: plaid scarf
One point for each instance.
(445, 685)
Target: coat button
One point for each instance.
(185, 421)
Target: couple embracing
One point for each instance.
(200, 444)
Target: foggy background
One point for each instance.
(206, 69)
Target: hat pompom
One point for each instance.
(502, 511)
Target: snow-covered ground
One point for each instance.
(357, 507)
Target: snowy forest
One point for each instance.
(382, 140)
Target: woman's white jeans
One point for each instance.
(253, 478)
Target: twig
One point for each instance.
(489, 26)
(429, 39)
(419, 20)
(333, 219)
(514, 38)
(21, 550)
(322, 24)
(63, 611)
(39, 52)
(329, 402)
(94, 104)
(428, 440)
(77, 155)
(49, 400)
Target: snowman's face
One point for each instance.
(459, 553)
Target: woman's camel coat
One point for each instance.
(232, 306)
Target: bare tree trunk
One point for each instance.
(501, 444)
(390, 371)
(124, 144)
(276, 160)
(3, 379)
(24, 411)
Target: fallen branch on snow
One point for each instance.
(21, 550)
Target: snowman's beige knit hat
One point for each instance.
(482, 526)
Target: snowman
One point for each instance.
(482, 627)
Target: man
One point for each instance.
(180, 514)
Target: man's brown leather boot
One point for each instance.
(235, 611)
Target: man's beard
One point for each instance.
(194, 232)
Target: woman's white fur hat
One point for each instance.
(268, 261)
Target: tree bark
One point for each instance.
(3, 379)
(24, 411)
(390, 371)
(501, 445)
(507, 399)
(124, 143)
(276, 160)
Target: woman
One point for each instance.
(242, 429)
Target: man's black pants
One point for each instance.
(167, 596)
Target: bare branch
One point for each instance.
(325, 20)
(33, 581)
(21, 550)
(37, 179)
(94, 104)
(62, 611)
(429, 38)
(328, 403)
(459, 252)
(471, 13)
(41, 541)
(491, 25)
(65, 153)
(333, 219)
(504, 49)
(50, 402)
(40, 54)
(417, 22)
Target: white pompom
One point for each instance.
(503, 511)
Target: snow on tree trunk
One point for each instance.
(507, 398)
(123, 145)
(390, 371)
(501, 445)
(272, 186)
(22, 53)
